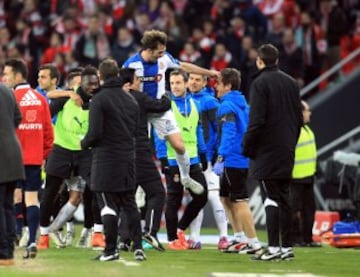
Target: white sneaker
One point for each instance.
(192, 185)
(69, 238)
(56, 237)
(139, 255)
(84, 241)
(23, 242)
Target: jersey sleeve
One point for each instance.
(171, 62)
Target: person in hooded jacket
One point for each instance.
(232, 165)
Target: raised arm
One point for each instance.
(192, 68)
(65, 93)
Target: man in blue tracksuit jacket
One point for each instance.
(231, 164)
(208, 108)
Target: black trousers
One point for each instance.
(152, 212)
(7, 220)
(110, 204)
(174, 197)
(303, 210)
(148, 177)
(155, 200)
(278, 211)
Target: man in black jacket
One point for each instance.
(12, 170)
(270, 140)
(113, 122)
(147, 175)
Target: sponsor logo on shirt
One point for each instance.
(155, 78)
(29, 99)
(30, 126)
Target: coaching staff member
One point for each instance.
(113, 121)
(270, 140)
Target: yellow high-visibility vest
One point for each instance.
(305, 154)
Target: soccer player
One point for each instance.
(208, 108)
(233, 114)
(36, 137)
(150, 65)
(187, 116)
(91, 210)
(67, 160)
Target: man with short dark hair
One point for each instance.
(208, 108)
(113, 122)
(270, 140)
(67, 161)
(36, 137)
(48, 78)
(233, 116)
(186, 113)
(147, 175)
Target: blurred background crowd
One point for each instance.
(311, 35)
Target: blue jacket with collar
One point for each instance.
(233, 116)
(208, 109)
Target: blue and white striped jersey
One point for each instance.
(152, 75)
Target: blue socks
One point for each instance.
(33, 221)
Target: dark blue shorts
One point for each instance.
(233, 184)
(33, 180)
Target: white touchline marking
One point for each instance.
(127, 263)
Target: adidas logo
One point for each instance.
(29, 99)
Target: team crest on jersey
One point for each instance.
(161, 65)
(169, 127)
(30, 115)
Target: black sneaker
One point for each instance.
(139, 255)
(154, 242)
(124, 245)
(288, 255)
(265, 255)
(106, 257)
(30, 251)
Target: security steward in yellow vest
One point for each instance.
(301, 189)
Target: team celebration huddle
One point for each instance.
(98, 142)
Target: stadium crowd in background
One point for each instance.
(211, 33)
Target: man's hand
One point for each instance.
(203, 160)
(218, 167)
(76, 98)
(214, 74)
(165, 168)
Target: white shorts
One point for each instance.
(164, 124)
(76, 183)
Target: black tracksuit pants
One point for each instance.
(278, 211)
(174, 197)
